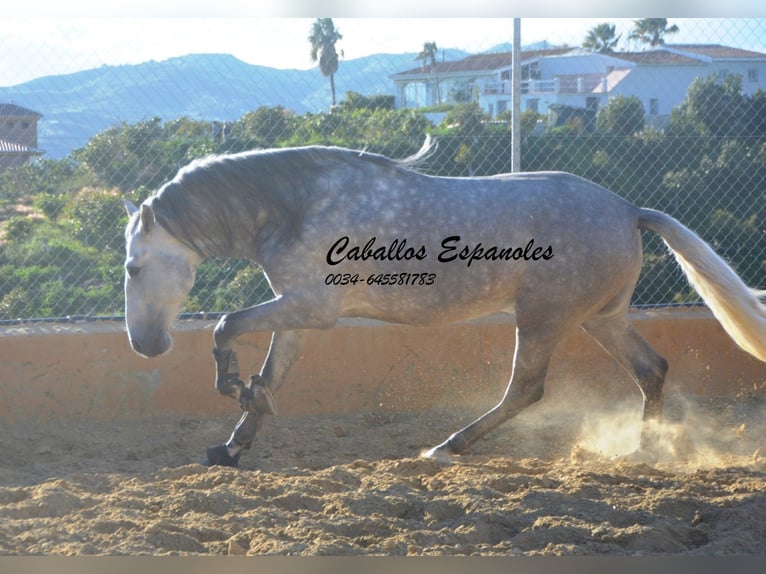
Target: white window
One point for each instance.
(752, 75)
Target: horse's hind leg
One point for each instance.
(530, 366)
(618, 337)
(283, 352)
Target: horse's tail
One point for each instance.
(733, 303)
(426, 150)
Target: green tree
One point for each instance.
(601, 39)
(466, 120)
(323, 38)
(147, 153)
(622, 116)
(265, 127)
(356, 101)
(357, 125)
(712, 106)
(44, 175)
(529, 121)
(652, 31)
(755, 115)
(98, 219)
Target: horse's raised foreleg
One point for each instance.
(282, 316)
(256, 397)
(285, 313)
(284, 350)
(530, 366)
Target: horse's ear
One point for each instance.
(147, 218)
(129, 207)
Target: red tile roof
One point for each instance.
(481, 62)
(14, 111)
(666, 55)
(656, 58)
(676, 54)
(716, 51)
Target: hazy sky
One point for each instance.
(78, 38)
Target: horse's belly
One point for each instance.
(448, 298)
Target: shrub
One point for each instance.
(622, 116)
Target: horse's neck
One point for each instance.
(238, 234)
(231, 242)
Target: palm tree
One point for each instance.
(428, 53)
(323, 37)
(601, 39)
(652, 31)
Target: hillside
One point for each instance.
(201, 86)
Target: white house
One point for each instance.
(660, 78)
(579, 79)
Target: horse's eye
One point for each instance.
(132, 271)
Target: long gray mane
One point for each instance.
(221, 202)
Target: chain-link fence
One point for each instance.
(669, 114)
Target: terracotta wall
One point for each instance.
(89, 371)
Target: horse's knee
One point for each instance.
(227, 373)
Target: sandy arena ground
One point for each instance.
(547, 483)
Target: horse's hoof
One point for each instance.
(647, 456)
(219, 456)
(438, 454)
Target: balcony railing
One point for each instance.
(568, 85)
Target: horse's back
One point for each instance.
(553, 202)
(542, 241)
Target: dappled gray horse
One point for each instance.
(342, 233)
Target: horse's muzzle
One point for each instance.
(151, 347)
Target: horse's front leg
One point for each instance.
(288, 318)
(257, 399)
(283, 314)
(254, 396)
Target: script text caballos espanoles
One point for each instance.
(451, 249)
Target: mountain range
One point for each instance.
(211, 87)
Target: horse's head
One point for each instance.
(159, 272)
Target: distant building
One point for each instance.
(576, 79)
(18, 135)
